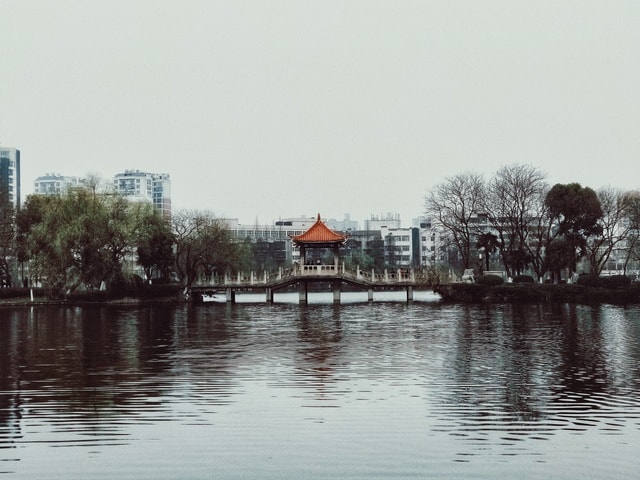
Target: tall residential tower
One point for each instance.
(10, 176)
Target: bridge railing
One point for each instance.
(400, 275)
(317, 270)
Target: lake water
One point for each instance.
(388, 389)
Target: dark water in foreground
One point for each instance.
(382, 390)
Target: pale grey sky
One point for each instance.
(269, 109)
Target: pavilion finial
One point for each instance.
(318, 216)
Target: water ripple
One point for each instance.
(360, 390)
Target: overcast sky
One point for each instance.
(272, 109)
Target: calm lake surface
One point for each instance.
(362, 390)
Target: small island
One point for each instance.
(491, 289)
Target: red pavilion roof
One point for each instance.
(319, 233)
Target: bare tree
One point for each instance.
(614, 229)
(203, 245)
(517, 214)
(454, 205)
(632, 218)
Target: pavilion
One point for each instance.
(319, 236)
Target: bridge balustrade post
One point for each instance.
(399, 275)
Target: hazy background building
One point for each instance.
(376, 222)
(55, 184)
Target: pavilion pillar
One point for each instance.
(269, 294)
(370, 294)
(409, 293)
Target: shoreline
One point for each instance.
(461, 293)
(537, 293)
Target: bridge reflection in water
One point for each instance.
(303, 276)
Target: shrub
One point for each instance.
(614, 281)
(588, 280)
(490, 279)
(18, 292)
(523, 279)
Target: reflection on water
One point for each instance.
(383, 390)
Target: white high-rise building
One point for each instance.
(145, 187)
(10, 176)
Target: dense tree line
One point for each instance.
(84, 239)
(531, 226)
(87, 240)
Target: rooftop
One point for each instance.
(319, 233)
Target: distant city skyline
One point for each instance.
(262, 111)
(122, 182)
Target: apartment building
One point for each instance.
(142, 186)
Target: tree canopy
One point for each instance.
(576, 212)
